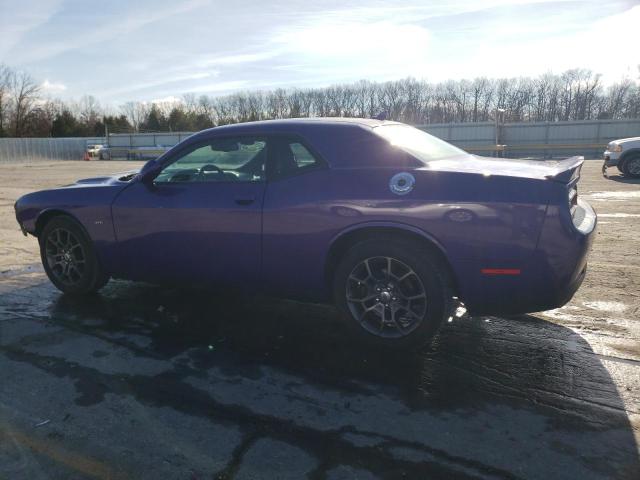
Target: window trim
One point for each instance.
(321, 164)
(191, 147)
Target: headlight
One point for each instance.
(614, 147)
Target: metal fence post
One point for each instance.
(547, 152)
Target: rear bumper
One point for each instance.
(547, 280)
(524, 295)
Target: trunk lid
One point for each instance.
(562, 171)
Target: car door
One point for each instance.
(296, 219)
(200, 218)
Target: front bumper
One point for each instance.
(611, 158)
(22, 229)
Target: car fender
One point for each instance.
(386, 225)
(389, 225)
(52, 212)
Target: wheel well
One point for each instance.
(346, 241)
(629, 154)
(44, 218)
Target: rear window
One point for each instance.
(420, 144)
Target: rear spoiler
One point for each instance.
(566, 171)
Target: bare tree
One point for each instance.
(618, 94)
(6, 81)
(136, 113)
(576, 94)
(25, 93)
(88, 111)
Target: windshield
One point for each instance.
(420, 144)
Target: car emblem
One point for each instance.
(402, 183)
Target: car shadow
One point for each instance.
(529, 384)
(622, 179)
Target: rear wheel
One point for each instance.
(631, 166)
(393, 293)
(68, 257)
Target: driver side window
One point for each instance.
(229, 159)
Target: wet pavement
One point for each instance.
(151, 382)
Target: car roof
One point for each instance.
(294, 124)
(342, 142)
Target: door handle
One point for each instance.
(245, 200)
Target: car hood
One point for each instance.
(560, 170)
(116, 179)
(623, 141)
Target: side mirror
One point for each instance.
(148, 172)
(149, 166)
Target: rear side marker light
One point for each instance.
(500, 271)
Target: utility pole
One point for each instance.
(499, 111)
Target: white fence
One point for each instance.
(540, 139)
(125, 140)
(44, 149)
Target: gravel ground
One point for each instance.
(151, 382)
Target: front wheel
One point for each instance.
(68, 257)
(393, 293)
(631, 167)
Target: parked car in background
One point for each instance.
(383, 219)
(624, 154)
(94, 150)
(104, 153)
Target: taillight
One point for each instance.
(573, 199)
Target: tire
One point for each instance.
(631, 166)
(68, 257)
(361, 295)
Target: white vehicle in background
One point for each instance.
(104, 153)
(624, 154)
(93, 150)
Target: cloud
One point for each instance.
(500, 54)
(51, 87)
(377, 49)
(217, 87)
(159, 49)
(167, 100)
(109, 27)
(18, 19)
(614, 54)
(163, 81)
(168, 95)
(237, 59)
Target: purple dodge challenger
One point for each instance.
(388, 222)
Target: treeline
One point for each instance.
(573, 95)
(26, 112)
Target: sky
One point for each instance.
(155, 50)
